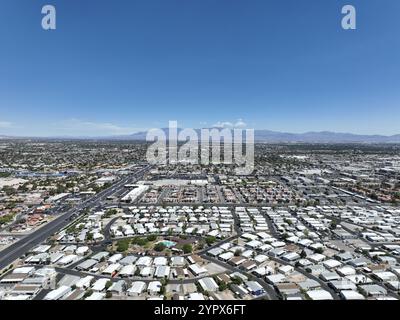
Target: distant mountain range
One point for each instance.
(265, 136)
(308, 137)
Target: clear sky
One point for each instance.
(116, 67)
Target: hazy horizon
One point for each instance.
(183, 127)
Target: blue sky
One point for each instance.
(115, 67)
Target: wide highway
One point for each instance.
(24, 245)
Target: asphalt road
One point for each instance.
(21, 247)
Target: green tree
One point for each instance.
(319, 250)
(6, 219)
(187, 248)
(123, 245)
(88, 293)
(159, 247)
(210, 240)
(108, 284)
(222, 286)
(237, 280)
(141, 241)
